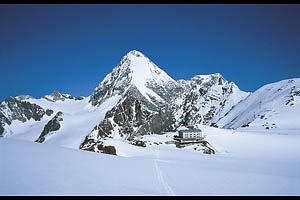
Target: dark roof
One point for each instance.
(190, 130)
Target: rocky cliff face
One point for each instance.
(138, 75)
(206, 98)
(52, 126)
(14, 109)
(128, 119)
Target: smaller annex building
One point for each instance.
(189, 136)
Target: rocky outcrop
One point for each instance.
(1, 130)
(206, 98)
(122, 120)
(99, 148)
(56, 96)
(52, 126)
(14, 109)
(24, 97)
(294, 93)
(158, 123)
(129, 119)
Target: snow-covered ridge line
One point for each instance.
(272, 106)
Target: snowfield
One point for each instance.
(246, 163)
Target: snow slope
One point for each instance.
(244, 165)
(274, 107)
(79, 119)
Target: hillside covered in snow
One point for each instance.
(274, 106)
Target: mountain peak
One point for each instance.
(135, 53)
(132, 57)
(134, 70)
(209, 79)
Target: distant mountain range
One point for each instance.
(138, 98)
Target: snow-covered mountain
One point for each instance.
(273, 106)
(137, 75)
(145, 93)
(138, 98)
(205, 99)
(12, 109)
(152, 102)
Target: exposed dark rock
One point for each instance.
(138, 143)
(90, 148)
(78, 98)
(214, 125)
(209, 115)
(51, 126)
(131, 118)
(3, 119)
(107, 149)
(160, 122)
(56, 96)
(246, 125)
(206, 147)
(49, 112)
(1, 130)
(67, 96)
(202, 91)
(89, 145)
(127, 115)
(293, 94)
(14, 109)
(105, 128)
(24, 97)
(208, 150)
(22, 110)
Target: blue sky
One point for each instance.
(70, 48)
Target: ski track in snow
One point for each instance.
(168, 190)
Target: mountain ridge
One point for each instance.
(136, 98)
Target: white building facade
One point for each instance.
(192, 133)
